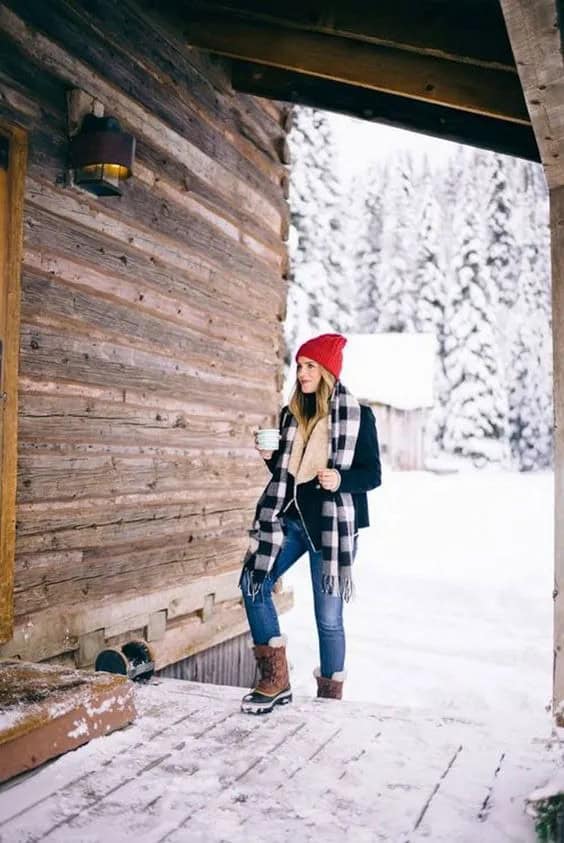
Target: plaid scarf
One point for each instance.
(337, 512)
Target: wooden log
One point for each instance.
(183, 405)
(136, 519)
(75, 419)
(474, 88)
(376, 106)
(217, 556)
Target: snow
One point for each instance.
(453, 606)
(391, 368)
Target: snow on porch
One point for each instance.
(193, 768)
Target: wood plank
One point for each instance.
(268, 286)
(12, 182)
(482, 90)
(390, 109)
(204, 560)
(179, 404)
(73, 311)
(85, 257)
(470, 30)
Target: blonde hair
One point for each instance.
(302, 409)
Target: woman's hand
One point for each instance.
(266, 455)
(329, 479)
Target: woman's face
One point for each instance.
(309, 374)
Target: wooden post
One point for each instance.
(557, 232)
(536, 44)
(12, 177)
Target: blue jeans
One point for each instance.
(261, 611)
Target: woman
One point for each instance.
(327, 459)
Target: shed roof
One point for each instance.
(393, 368)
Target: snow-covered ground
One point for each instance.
(453, 611)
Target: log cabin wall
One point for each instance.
(151, 339)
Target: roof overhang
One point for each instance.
(433, 66)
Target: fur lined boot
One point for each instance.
(330, 689)
(274, 685)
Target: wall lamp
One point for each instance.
(101, 155)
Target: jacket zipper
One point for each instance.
(302, 518)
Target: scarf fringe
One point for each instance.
(251, 582)
(338, 586)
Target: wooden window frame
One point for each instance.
(10, 290)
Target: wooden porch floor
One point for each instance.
(193, 768)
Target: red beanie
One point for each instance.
(327, 350)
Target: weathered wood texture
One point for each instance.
(151, 334)
(535, 36)
(12, 180)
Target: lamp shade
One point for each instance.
(101, 155)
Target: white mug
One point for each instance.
(268, 438)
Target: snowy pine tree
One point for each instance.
(476, 412)
(529, 341)
(367, 249)
(396, 279)
(430, 283)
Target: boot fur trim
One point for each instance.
(278, 641)
(338, 676)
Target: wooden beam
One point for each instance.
(435, 120)
(469, 30)
(478, 89)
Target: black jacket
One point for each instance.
(364, 474)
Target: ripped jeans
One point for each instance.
(261, 611)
